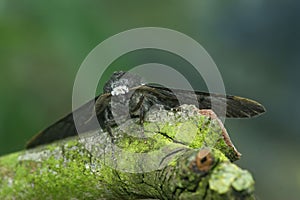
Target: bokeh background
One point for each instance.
(256, 45)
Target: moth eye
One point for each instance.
(204, 160)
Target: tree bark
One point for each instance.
(182, 154)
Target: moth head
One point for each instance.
(120, 83)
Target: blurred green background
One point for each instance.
(256, 45)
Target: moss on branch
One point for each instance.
(175, 155)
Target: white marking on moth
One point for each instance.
(119, 90)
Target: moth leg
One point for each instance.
(109, 130)
(138, 109)
(107, 123)
(142, 115)
(144, 105)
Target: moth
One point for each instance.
(125, 96)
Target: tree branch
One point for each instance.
(174, 155)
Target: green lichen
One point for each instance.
(95, 168)
(32, 177)
(142, 145)
(75, 173)
(227, 177)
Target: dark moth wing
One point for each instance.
(65, 127)
(237, 107)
